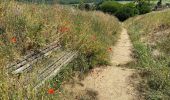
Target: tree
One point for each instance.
(128, 10)
(159, 3)
(143, 7)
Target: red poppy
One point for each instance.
(110, 49)
(63, 29)
(94, 37)
(66, 22)
(14, 40)
(51, 91)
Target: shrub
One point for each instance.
(132, 6)
(128, 10)
(85, 6)
(122, 12)
(110, 6)
(143, 7)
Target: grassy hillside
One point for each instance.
(150, 35)
(29, 27)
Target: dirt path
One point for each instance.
(113, 82)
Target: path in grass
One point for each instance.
(111, 82)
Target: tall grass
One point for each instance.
(150, 36)
(29, 27)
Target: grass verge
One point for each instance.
(150, 35)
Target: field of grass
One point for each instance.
(29, 27)
(150, 35)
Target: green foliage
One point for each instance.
(128, 10)
(143, 7)
(124, 11)
(86, 6)
(110, 6)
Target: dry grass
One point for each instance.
(29, 27)
(150, 35)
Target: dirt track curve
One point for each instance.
(113, 82)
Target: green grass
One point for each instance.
(147, 33)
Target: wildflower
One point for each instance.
(110, 49)
(66, 22)
(63, 29)
(14, 40)
(94, 37)
(51, 91)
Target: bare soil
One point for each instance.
(111, 82)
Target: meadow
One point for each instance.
(25, 27)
